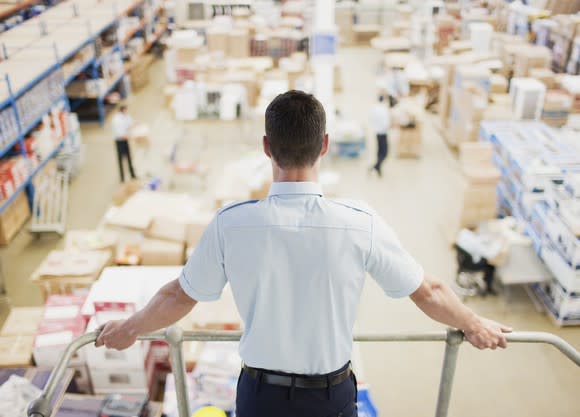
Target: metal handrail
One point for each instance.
(175, 336)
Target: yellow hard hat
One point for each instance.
(209, 412)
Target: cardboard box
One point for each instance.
(125, 191)
(16, 351)
(165, 228)
(13, 218)
(498, 84)
(531, 56)
(410, 142)
(69, 272)
(544, 75)
(161, 252)
(90, 240)
(217, 39)
(238, 43)
(22, 321)
(186, 56)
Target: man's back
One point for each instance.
(380, 118)
(296, 263)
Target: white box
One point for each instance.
(132, 358)
(566, 306)
(527, 98)
(118, 380)
(129, 284)
(567, 276)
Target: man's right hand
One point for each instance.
(487, 334)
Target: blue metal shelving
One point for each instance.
(94, 63)
(28, 181)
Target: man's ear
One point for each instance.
(266, 146)
(325, 145)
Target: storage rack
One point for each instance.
(13, 8)
(38, 49)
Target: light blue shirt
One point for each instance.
(296, 264)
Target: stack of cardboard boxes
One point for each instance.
(69, 271)
(561, 39)
(17, 336)
(469, 100)
(481, 177)
(61, 323)
(528, 57)
(156, 228)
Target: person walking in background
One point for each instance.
(380, 123)
(122, 123)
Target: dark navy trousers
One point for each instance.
(258, 399)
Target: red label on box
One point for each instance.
(109, 306)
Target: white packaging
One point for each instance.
(134, 284)
(480, 35)
(566, 306)
(527, 98)
(48, 349)
(106, 381)
(568, 277)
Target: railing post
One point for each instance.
(454, 339)
(174, 336)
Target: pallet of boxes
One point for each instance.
(408, 116)
(481, 179)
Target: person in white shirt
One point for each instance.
(122, 123)
(380, 123)
(296, 263)
(397, 84)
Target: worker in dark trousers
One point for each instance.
(296, 263)
(122, 123)
(380, 123)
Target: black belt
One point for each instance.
(303, 381)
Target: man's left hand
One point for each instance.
(115, 335)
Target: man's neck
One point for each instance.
(295, 175)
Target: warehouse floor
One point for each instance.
(418, 197)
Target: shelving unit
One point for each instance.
(37, 51)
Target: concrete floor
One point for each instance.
(418, 197)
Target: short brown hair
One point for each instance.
(295, 128)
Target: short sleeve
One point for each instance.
(203, 277)
(394, 269)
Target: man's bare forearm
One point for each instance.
(438, 301)
(168, 306)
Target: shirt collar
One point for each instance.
(295, 188)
